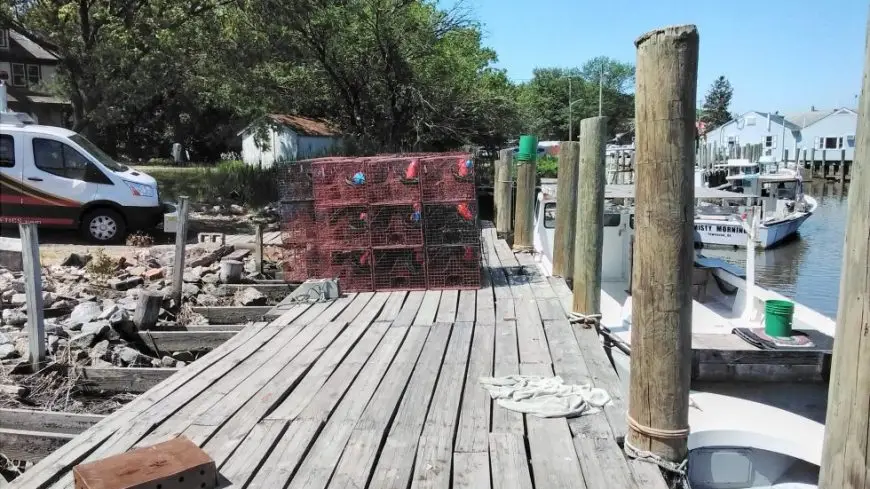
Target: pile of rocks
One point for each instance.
(89, 303)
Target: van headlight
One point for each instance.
(140, 190)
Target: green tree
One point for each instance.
(716, 103)
(615, 75)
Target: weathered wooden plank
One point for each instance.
(360, 454)
(211, 327)
(717, 372)
(255, 448)
(317, 468)
(551, 446)
(129, 379)
(466, 309)
(61, 461)
(756, 357)
(286, 455)
(434, 454)
(447, 306)
(30, 446)
(236, 417)
(530, 333)
(272, 291)
(507, 362)
(52, 421)
(429, 308)
(471, 470)
(312, 390)
(602, 461)
(232, 314)
(394, 467)
(473, 432)
(161, 342)
(393, 306)
(485, 303)
(409, 308)
(510, 463)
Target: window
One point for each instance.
(831, 142)
(7, 151)
(769, 141)
(34, 75)
(4, 38)
(850, 141)
(59, 159)
(612, 220)
(19, 76)
(750, 121)
(733, 140)
(549, 215)
(97, 153)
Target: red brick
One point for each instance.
(154, 274)
(177, 463)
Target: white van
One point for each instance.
(57, 178)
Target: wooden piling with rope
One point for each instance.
(667, 69)
(589, 229)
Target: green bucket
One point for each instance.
(777, 318)
(528, 150)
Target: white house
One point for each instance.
(287, 138)
(828, 132)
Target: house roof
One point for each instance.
(307, 127)
(804, 119)
(31, 47)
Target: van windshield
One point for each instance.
(97, 153)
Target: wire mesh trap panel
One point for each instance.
(295, 182)
(298, 225)
(340, 181)
(400, 268)
(394, 180)
(448, 223)
(453, 267)
(300, 262)
(341, 227)
(396, 225)
(448, 178)
(352, 267)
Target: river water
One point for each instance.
(807, 268)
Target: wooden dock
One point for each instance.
(380, 390)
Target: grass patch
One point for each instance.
(227, 181)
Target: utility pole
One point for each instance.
(844, 456)
(570, 112)
(600, 90)
(661, 332)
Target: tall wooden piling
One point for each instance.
(524, 213)
(503, 189)
(845, 455)
(661, 333)
(841, 171)
(566, 209)
(590, 215)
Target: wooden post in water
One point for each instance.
(258, 248)
(33, 294)
(590, 216)
(661, 333)
(823, 169)
(180, 242)
(566, 209)
(812, 167)
(841, 174)
(503, 191)
(845, 456)
(524, 214)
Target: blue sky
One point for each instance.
(781, 55)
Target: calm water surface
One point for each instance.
(806, 269)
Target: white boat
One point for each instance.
(779, 191)
(742, 434)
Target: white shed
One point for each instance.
(287, 138)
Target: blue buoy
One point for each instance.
(359, 178)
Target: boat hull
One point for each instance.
(731, 233)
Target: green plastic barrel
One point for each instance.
(777, 318)
(528, 150)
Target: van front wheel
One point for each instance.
(103, 226)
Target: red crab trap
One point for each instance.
(448, 178)
(396, 225)
(352, 267)
(295, 182)
(453, 267)
(341, 181)
(400, 268)
(298, 225)
(300, 262)
(341, 227)
(394, 180)
(448, 223)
